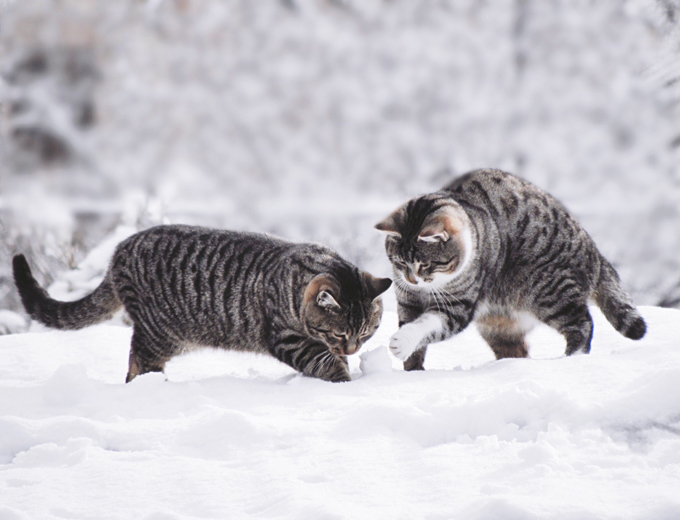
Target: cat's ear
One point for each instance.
(442, 224)
(375, 286)
(320, 290)
(394, 223)
(325, 300)
(429, 235)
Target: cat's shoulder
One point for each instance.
(502, 190)
(488, 179)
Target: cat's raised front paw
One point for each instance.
(405, 342)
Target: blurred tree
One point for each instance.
(314, 118)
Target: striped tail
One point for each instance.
(97, 306)
(616, 305)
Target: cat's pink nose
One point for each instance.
(410, 277)
(351, 348)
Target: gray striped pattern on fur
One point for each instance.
(187, 286)
(528, 258)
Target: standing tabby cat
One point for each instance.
(184, 286)
(494, 248)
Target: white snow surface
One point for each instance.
(229, 435)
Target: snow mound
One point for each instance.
(376, 360)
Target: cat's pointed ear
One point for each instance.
(442, 224)
(325, 300)
(320, 290)
(394, 223)
(375, 286)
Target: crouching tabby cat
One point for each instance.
(493, 248)
(185, 286)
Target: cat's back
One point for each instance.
(515, 206)
(189, 262)
(187, 246)
(529, 234)
(502, 194)
(195, 235)
(200, 285)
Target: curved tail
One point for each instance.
(93, 308)
(616, 305)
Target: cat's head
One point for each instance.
(429, 241)
(343, 309)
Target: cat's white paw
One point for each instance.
(405, 341)
(411, 336)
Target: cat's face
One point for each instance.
(343, 313)
(428, 242)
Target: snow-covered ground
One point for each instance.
(231, 435)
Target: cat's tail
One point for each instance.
(93, 308)
(616, 305)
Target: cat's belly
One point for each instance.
(498, 316)
(212, 332)
(243, 345)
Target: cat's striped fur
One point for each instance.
(187, 286)
(493, 248)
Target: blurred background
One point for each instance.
(312, 119)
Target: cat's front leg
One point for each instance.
(410, 342)
(311, 357)
(416, 334)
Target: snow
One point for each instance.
(11, 322)
(312, 120)
(234, 435)
(376, 360)
(73, 285)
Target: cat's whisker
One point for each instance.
(449, 296)
(436, 299)
(448, 305)
(405, 286)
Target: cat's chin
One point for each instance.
(439, 281)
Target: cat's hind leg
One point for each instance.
(574, 322)
(505, 334)
(147, 353)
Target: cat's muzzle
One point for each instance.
(345, 350)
